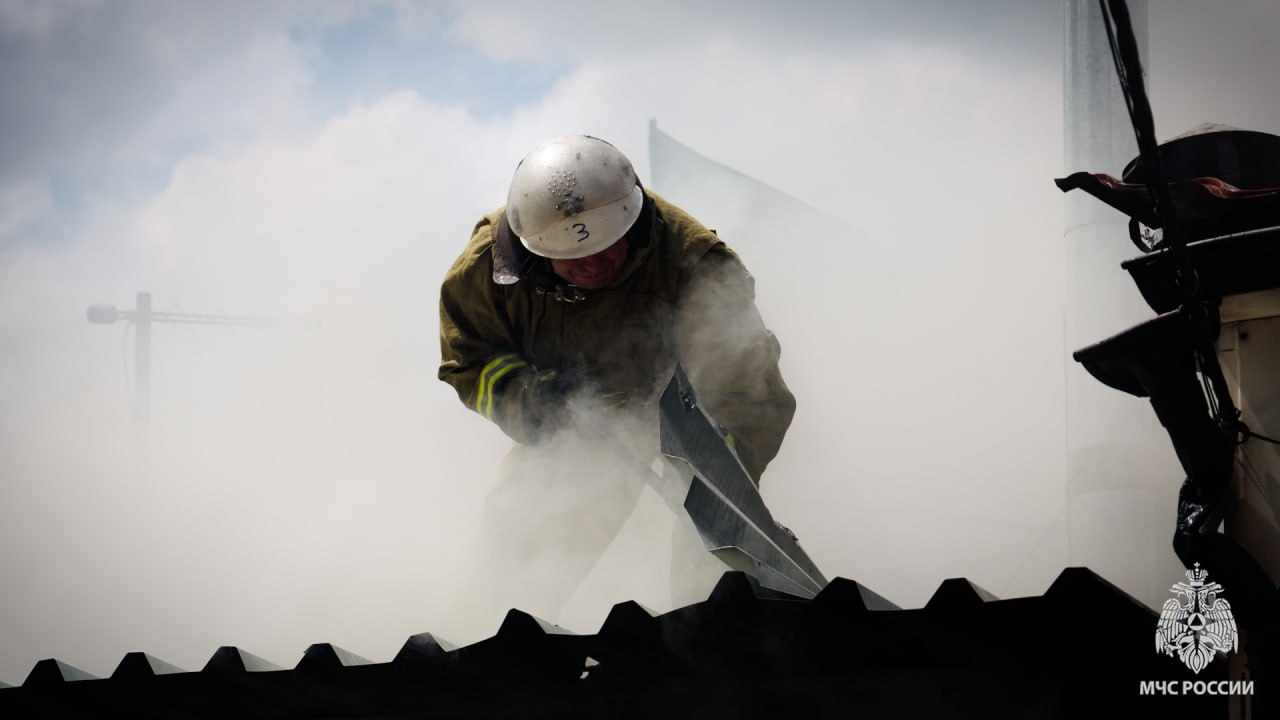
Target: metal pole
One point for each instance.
(142, 377)
(142, 318)
(1122, 476)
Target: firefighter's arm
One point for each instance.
(732, 358)
(479, 351)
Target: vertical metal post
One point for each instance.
(142, 318)
(1122, 475)
(142, 377)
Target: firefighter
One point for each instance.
(563, 320)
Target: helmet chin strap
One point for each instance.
(562, 292)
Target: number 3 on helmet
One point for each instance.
(572, 197)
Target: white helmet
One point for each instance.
(572, 197)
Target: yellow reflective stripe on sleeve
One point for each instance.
(482, 384)
(488, 408)
(489, 376)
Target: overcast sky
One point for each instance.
(324, 161)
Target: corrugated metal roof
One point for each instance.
(1082, 647)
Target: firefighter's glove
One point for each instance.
(546, 402)
(613, 400)
(556, 399)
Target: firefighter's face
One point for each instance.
(593, 271)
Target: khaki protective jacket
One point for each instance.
(684, 298)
